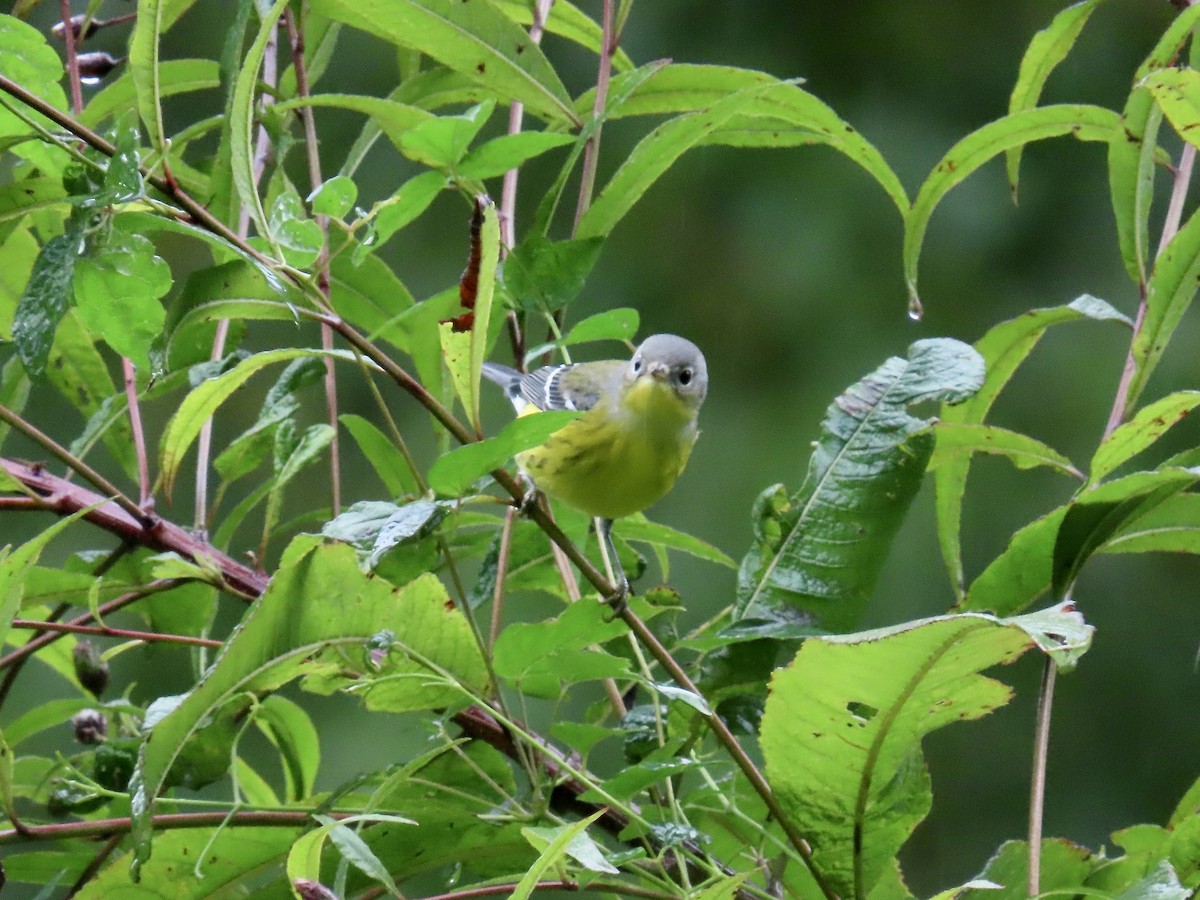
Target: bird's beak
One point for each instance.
(658, 371)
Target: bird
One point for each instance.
(626, 451)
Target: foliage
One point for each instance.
(656, 788)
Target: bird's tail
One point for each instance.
(509, 379)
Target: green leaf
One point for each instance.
(241, 117)
(236, 859)
(383, 455)
(581, 848)
(611, 325)
(409, 201)
(1177, 92)
(816, 556)
(843, 725)
(199, 406)
(1171, 527)
(540, 657)
(298, 236)
(455, 471)
(1150, 423)
(320, 614)
(639, 528)
(1169, 294)
(45, 301)
(1065, 866)
(15, 566)
(1096, 514)
(1048, 48)
(508, 151)
(144, 67)
(474, 39)
(955, 439)
(1021, 574)
(1085, 123)
(566, 21)
(307, 450)
(175, 76)
(1004, 348)
(784, 116)
(117, 291)
(304, 859)
(288, 727)
(544, 275)
(1131, 161)
(552, 855)
(441, 142)
(369, 295)
(29, 61)
(335, 197)
(79, 373)
(395, 119)
(656, 153)
(19, 198)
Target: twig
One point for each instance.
(64, 498)
(312, 148)
(58, 831)
(591, 152)
(49, 637)
(145, 498)
(1183, 178)
(150, 637)
(199, 214)
(94, 865)
(1037, 791)
(72, 58)
(262, 152)
(61, 453)
(725, 737)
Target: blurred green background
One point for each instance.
(784, 266)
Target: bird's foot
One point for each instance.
(618, 600)
(530, 498)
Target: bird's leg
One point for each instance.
(619, 599)
(531, 496)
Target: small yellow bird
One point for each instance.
(635, 439)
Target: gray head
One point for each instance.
(675, 360)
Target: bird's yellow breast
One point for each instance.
(618, 458)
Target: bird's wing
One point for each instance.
(575, 387)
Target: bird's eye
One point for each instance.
(637, 365)
(685, 377)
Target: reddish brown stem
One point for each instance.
(150, 637)
(72, 58)
(30, 647)
(64, 498)
(312, 147)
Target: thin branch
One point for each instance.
(49, 637)
(145, 497)
(149, 637)
(312, 151)
(64, 498)
(199, 214)
(1183, 179)
(262, 152)
(69, 38)
(61, 453)
(591, 152)
(508, 193)
(97, 861)
(1037, 790)
(106, 827)
(725, 737)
